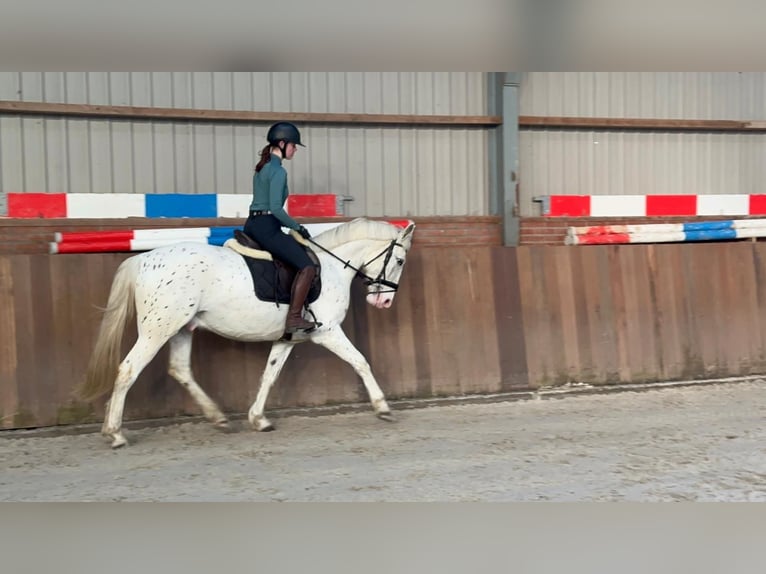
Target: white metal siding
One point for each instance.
(573, 162)
(387, 170)
(668, 95)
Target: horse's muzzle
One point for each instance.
(381, 300)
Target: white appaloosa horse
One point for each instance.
(177, 289)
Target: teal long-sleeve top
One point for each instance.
(270, 191)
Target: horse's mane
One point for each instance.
(359, 228)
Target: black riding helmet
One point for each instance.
(284, 131)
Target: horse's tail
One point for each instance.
(105, 360)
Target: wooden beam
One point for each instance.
(231, 116)
(638, 124)
(187, 114)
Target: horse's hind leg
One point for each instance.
(139, 356)
(277, 357)
(335, 340)
(180, 370)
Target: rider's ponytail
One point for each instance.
(265, 155)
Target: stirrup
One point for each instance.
(317, 324)
(298, 329)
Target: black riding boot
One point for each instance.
(300, 290)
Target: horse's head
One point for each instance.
(382, 272)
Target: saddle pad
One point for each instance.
(266, 281)
(272, 283)
(235, 245)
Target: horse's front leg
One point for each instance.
(336, 341)
(277, 357)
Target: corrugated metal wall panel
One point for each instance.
(572, 162)
(628, 163)
(669, 95)
(387, 170)
(460, 93)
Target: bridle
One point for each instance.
(381, 278)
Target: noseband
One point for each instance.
(381, 278)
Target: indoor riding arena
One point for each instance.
(581, 316)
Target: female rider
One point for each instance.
(267, 217)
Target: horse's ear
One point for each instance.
(408, 230)
(405, 236)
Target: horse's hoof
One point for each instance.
(262, 424)
(119, 442)
(224, 426)
(118, 439)
(388, 417)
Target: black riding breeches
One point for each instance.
(267, 231)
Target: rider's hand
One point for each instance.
(304, 232)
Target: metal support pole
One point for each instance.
(503, 147)
(495, 142)
(510, 158)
